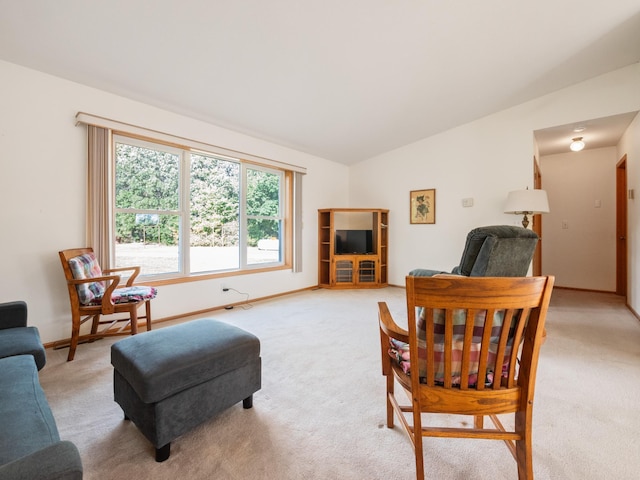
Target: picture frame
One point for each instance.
(422, 206)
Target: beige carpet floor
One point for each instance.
(321, 410)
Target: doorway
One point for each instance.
(611, 257)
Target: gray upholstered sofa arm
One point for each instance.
(13, 314)
(58, 461)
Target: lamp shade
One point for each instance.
(527, 201)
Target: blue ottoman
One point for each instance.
(170, 380)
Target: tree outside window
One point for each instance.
(180, 212)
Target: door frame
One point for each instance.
(621, 226)
(537, 222)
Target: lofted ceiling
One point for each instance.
(341, 79)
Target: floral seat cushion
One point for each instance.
(129, 294)
(86, 266)
(400, 351)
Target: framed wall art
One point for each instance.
(422, 207)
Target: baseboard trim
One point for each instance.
(560, 287)
(197, 312)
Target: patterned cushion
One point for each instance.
(86, 266)
(400, 350)
(130, 294)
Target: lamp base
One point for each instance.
(525, 221)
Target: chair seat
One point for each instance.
(23, 341)
(129, 294)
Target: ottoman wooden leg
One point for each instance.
(248, 402)
(163, 453)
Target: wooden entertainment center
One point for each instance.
(352, 247)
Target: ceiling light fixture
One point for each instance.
(577, 144)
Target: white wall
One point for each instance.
(579, 245)
(484, 160)
(466, 162)
(43, 178)
(43, 184)
(630, 146)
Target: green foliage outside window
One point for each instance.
(215, 201)
(262, 201)
(146, 180)
(149, 180)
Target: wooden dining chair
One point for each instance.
(94, 293)
(471, 348)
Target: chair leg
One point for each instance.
(417, 441)
(524, 456)
(95, 322)
(75, 333)
(147, 307)
(134, 318)
(390, 386)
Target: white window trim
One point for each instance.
(294, 256)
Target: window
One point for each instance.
(180, 212)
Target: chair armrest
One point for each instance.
(108, 306)
(13, 314)
(132, 277)
(388, 326)
(114, 279)
(60, 461)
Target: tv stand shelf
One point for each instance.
(342, 234)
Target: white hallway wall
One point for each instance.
(582, 252)
(43, 195)
(484, 160)
(630, 146)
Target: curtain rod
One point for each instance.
(98, 121)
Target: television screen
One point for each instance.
(353, 241)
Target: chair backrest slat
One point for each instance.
(466, 351)
(448, 347)
(472, 330)
(431, 354)
(506, 335)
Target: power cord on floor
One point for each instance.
(246, 305)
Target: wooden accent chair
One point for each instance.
(486, 366)
(94, 292)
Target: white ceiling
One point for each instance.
(596, 133)
(341, 79)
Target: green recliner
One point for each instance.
(493, 251)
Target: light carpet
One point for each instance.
(321, 411)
